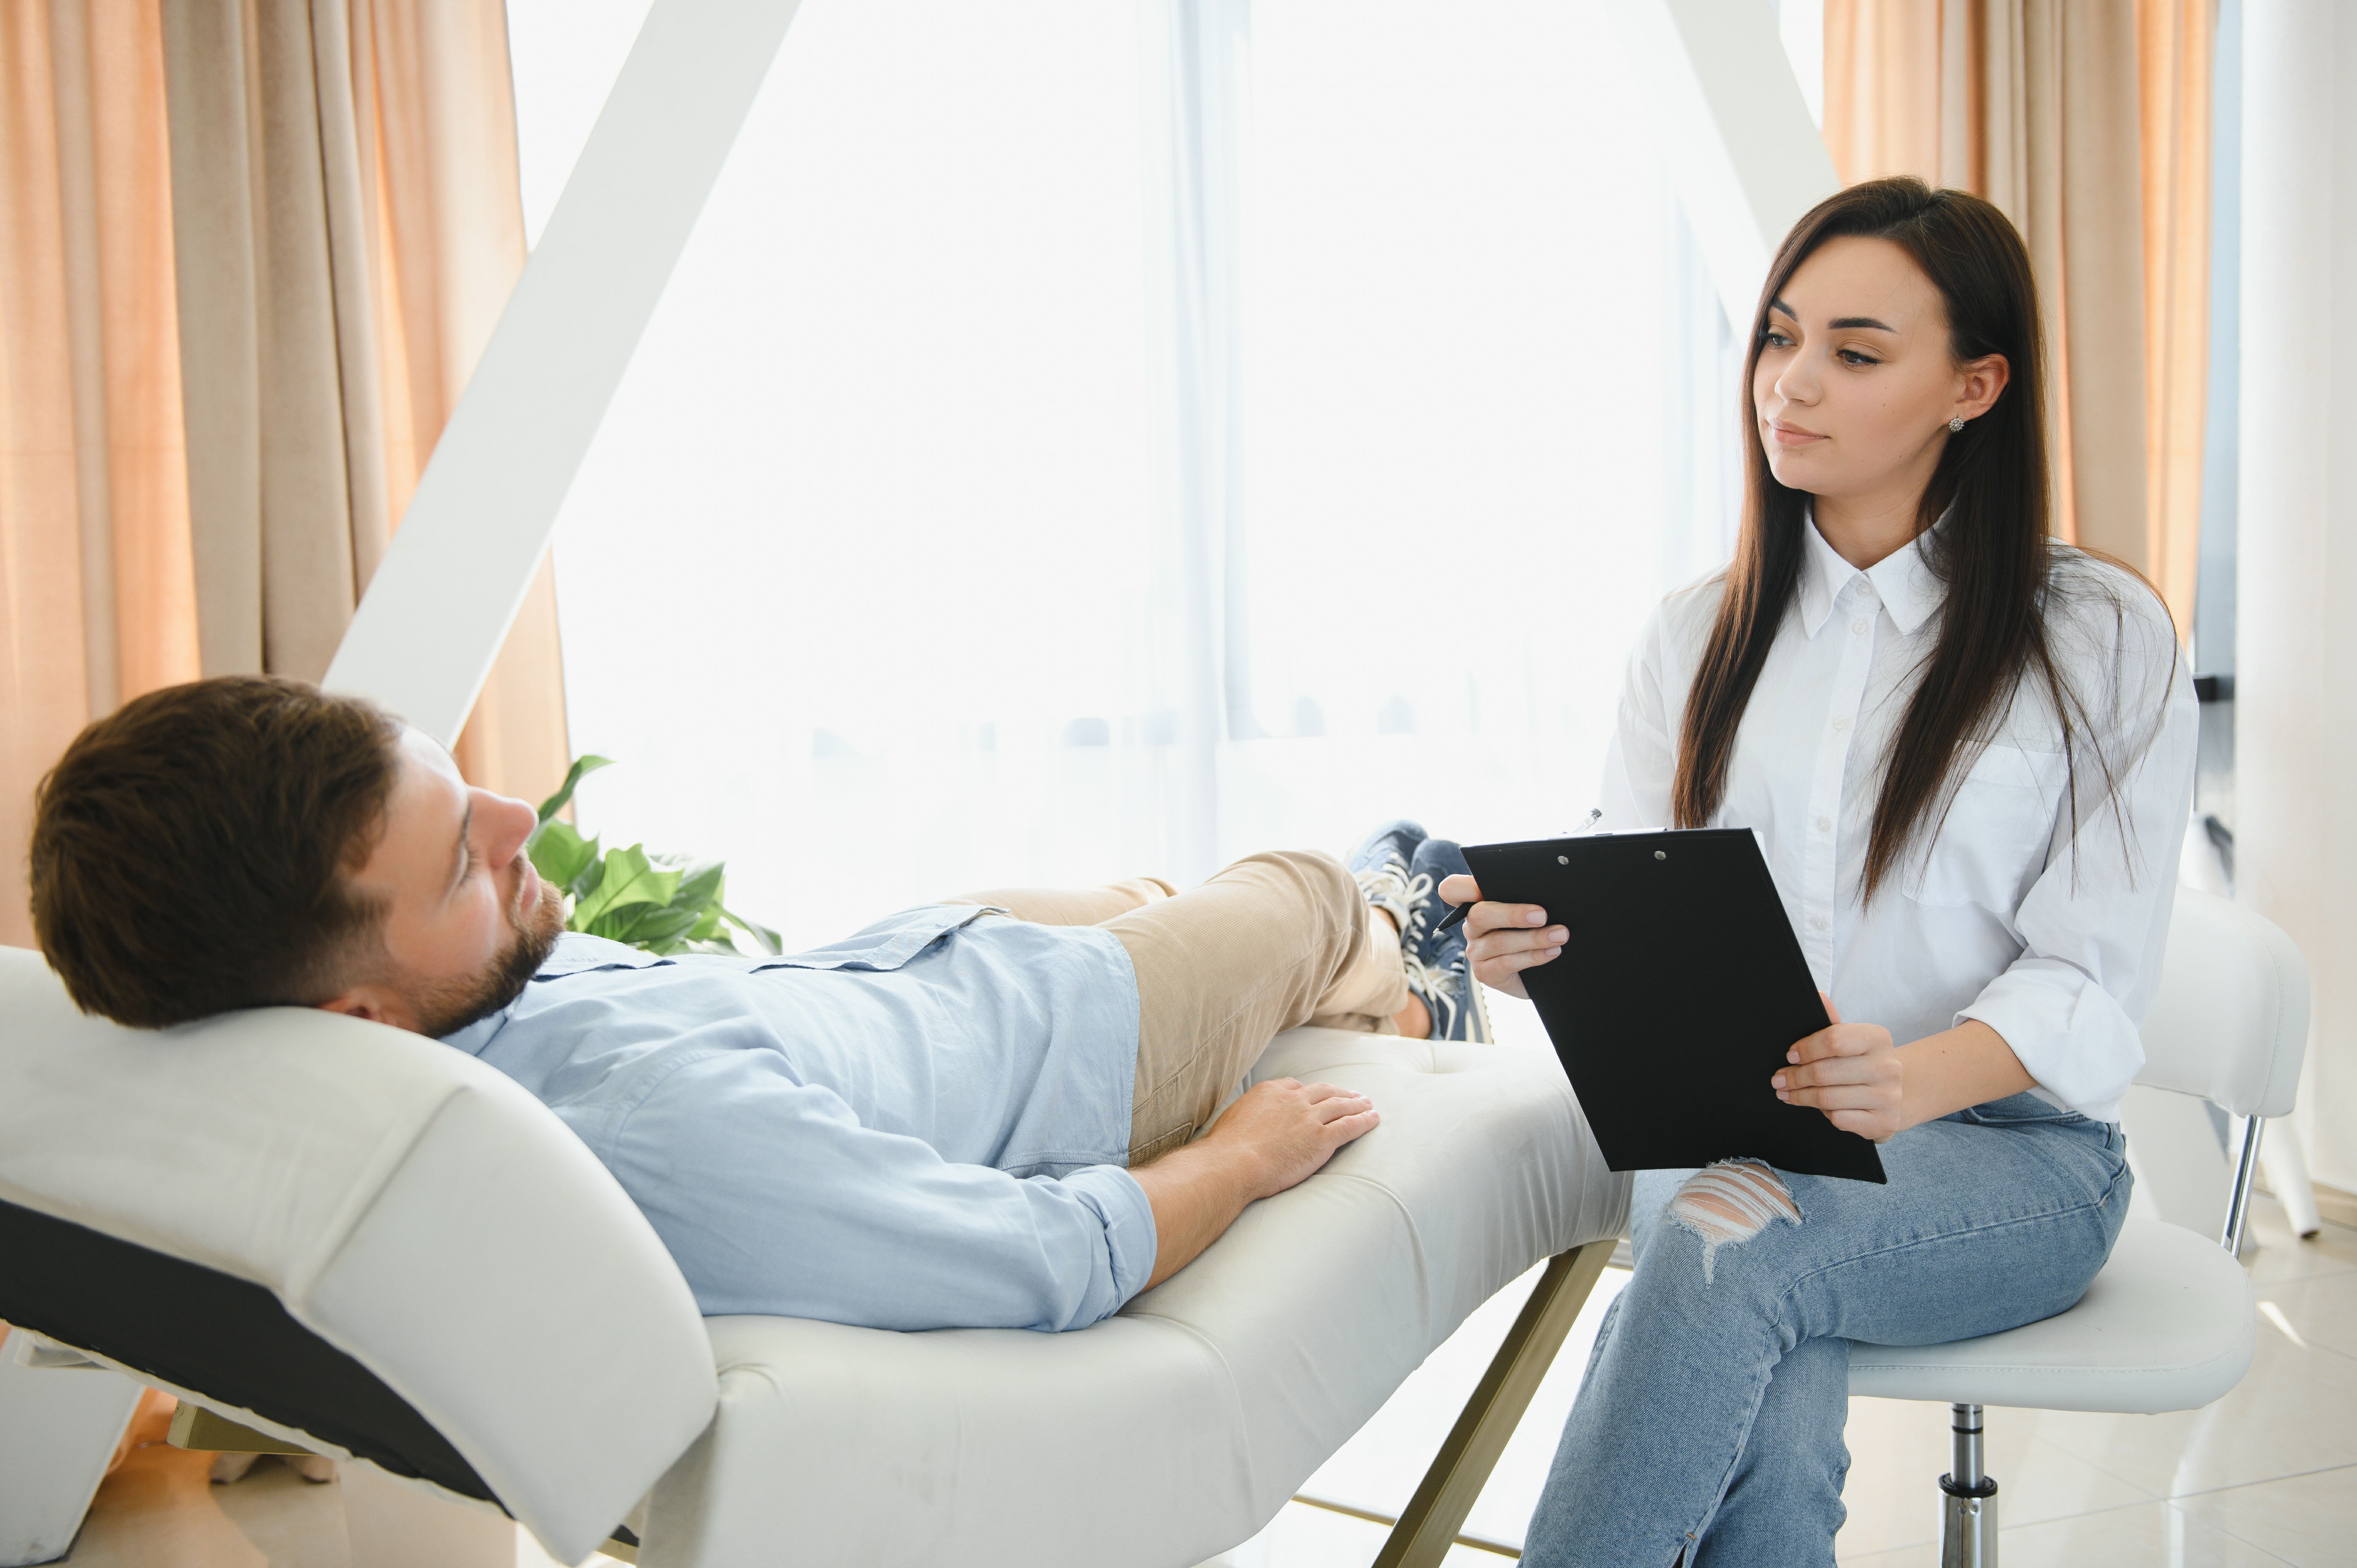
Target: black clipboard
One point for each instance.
(1680, 985)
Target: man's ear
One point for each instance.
(373, 1002)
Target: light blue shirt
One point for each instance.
(925, 1125)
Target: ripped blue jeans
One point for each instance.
(1710, 1422)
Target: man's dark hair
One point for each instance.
(191, 851)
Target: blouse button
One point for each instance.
(1818, 922)
(1825, 824)
(1841, 723)
(1858, 625)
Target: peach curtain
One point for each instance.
(2176, 49)
(350, 224)
(249, 250)
(2089, 126)
(97, 584)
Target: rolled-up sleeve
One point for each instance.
(791, 1206)
(2094, 924)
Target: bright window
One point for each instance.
(881, 579)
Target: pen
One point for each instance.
(1457, 914)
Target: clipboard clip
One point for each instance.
(1456, 916)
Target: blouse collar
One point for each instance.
(1903, 580)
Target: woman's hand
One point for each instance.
(1851, 1072)
(1503, 940)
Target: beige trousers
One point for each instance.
(1275, 940)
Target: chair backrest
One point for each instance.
(409, 1206)
(2229, 1019)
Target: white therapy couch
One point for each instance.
(370, 1245)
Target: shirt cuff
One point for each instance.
(2069, 1032)
(1120, 1205)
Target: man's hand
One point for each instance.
(1272, 1138)
(1502, 940)
(1286, 1129)
(1851, 1072)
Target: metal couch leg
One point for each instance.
(1424, 1532)
(1967, 1496)
(194, 1426)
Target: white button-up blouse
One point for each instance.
(2051, 937)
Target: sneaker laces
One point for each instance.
(1438, 988)
(1443, 990)
(1390, 888)
(1428, 980)
(1445, 993)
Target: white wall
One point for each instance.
(2296, 687)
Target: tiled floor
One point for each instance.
(2267, 1476)
(158, 1510)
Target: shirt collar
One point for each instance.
(573, 954)
(475, 1037)
(1904, 581)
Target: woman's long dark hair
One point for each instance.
(1994, 554)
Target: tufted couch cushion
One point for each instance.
(1177, 1428)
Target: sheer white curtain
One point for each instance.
(1456, 326)
(1087, 439)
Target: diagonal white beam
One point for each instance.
(440, 605)
(1734, 129)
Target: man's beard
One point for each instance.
(448, 1006)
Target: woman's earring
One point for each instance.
(1956, 424)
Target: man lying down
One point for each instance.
(979, 1113)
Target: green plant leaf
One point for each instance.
(643, 926)
(582, 767)
(662, 902)
(699, 894)
(767, 939)
(630, 878)
(701, 883)
(560, 853)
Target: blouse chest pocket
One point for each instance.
(1994, 842)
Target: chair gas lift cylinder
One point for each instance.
(1967, 1495)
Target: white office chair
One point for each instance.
(2170, 1323)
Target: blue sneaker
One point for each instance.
(1438, 970)
(1381, 864)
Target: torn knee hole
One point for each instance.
(1729, 1203)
